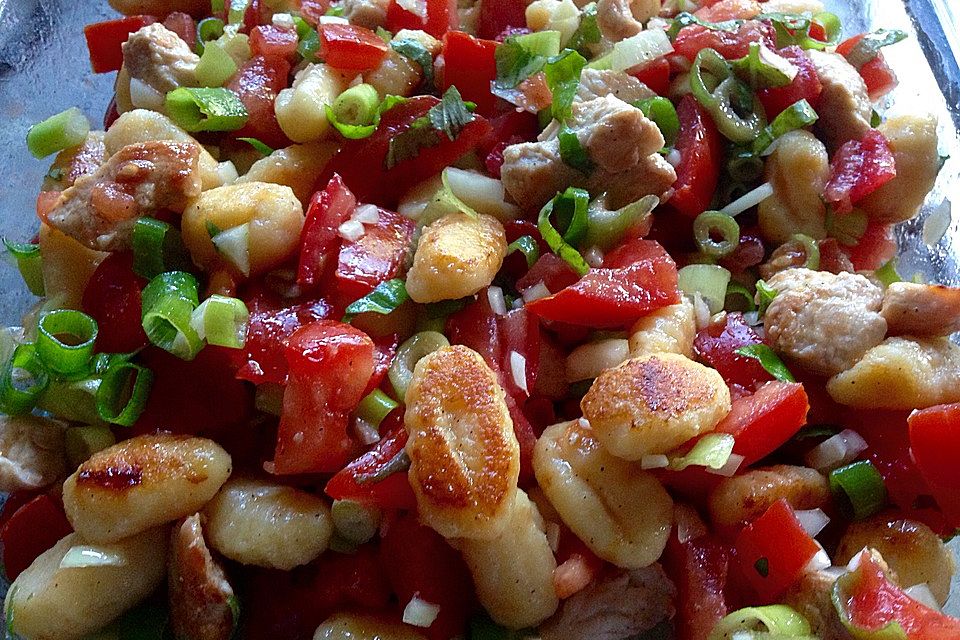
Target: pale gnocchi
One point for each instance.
(667, 330)
(744, 497)
(798, 170)
(301, 109)
(354, 626)
(297, 166)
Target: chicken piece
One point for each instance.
(619, 19)
(810, 595)
(845, 107)
(621, 142)
(619, 605)
(366, 13)
(74, 162)
(159, 61)
(32, 452)
(823, 321)
(99, 210)
(597, 83)
(913, 141)
(922, 310)
(901, 374)
(201, 599)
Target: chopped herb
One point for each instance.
(56, 174)
(383, 300)
(562, 73)
(875, 119)
(519, 57)
(686, 19)
(570, 210)
(868, 47)
(588, 32)
(415, 51)
(573, 154)
(765, 295)
(762, 565)
(450, 116)
(360, 131)
(768, 358)
(763, 68)
(261, 148)
(663, 114)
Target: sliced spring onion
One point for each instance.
(797, 116)
(29, 263)
(65, 340)
(887, 274)
(765, 295)
(588, 31)
(744, 165)
(734, 107)
(375, 406)
(309, 45)
(64, 130)
(216, 66)
(640, 49)
(168, 303)
(859, 489)
(663, 114)
(685, 19)
(208, 29)
(383, 300)
(355, 107)
(769, 359)
(572, 152)
(527, 246)
(72, 400)
(570, 210)
(739, 298)
(262, 149)
(711, 451)
(810, 249)
(409, 354)
(354, 522)
(83, 442)
(221, 321)
(234, 245)
(776, 620)
(714, 223)
(123, 393)
(762, 68)
(157, 247)
(206, 109)
(749, 200)
(22, 381)
(709, 280)
(562, 74)
(606, 228)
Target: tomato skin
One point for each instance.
(313, 10)
(350, 47)
(655, 74)
(875, 248)
(112, 298)
(377, 256)
(184, 26)
(858, 168)
(329, 208)
(257, 83)
(276, 42)
(761, 422)
(496, 16)
(876, 74)
(418, 561)
(441, 16)
(105, 41)
(636, 279)
(716, 345)
(778, 537)
(701, 153)
(805, 85)
(692, 38)
(935, 445)
(330, 365)
(31, 530)
(470, 66)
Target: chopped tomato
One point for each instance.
(31, 530)
(313, 10)
(875, 247)
(773, 550)
(330, 364)
(183, 25)
(507, 129)
(363, 163)
(319, 239)
(276, 42)
(436, 17)
(729, 44)
(749, 252)
(859, 168)
(869, 603)
(350, 47)
(636, 279)
(361, 479)
(470, 66)
(497, 16)
(257, 83)
(877, 74)
(761, 422)
(419, 562)
(378, 255)
(701, 152)
(935, 446)
(577, 565)
(804, 86)
(105, 41)
(729, 10)
(716, 346)
(112, 298)
(655, 74)
(551, 270)
(385, 349)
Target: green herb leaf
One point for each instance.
(768, 359)
(383, 300)
(407, 144)
(206, 109)
(763, 68)
(415, 51)
(212, 229)
(562, 73)
(261, 148)
(765, 295)
(875, 119)
(588, 32)
(794, 29)
(573, 154)
(570, 208)
(451, 115)
(519, 57)
(868, 47)
(309, 45)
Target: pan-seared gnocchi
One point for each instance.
(620, 511)
(143, 482)
(267, 525)
(513, 573)
(297, 166)
(301, 109)
(354, 626)
(667, 330)
(744, 497)
(464, 456)
(798, 170)
(653, 404)
(49, 601)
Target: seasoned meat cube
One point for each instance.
(845, 107)
(31, 452)
(621, 142)
(923, 310)
(824, 321)
(74, 162)
(597, 83)
(197, 587)
(160, 61)
(619, 19)
(99, 210)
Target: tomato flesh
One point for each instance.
(701, 152)
(105, 41)
(762, 422)
(350, 47)
(31, 530)
(257, 84)
(470, 66)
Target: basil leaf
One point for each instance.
(588, 32)
(383, 300)
(868, 47)
(686, 19)
(562, 73)
(570, 207)
(415, 51)
(573, 154)
(519, 57)
(663, 114)
(770, 361)
(766, 294)
(451, 115)
(527, 246)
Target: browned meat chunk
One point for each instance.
(924, 310)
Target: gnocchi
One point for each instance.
(143, 482)
(798, 170)
(396, 75)
(297, 166)
(653, 404)
(456, 256)
(50, 602)
(66, 266)
(464, 456)
(845, 108)
(667, 330)
(301, 109)
(267, 525)
(353, 626)
(744, 497)
(513, 573)
(620, 511)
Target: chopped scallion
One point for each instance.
(768, 359)
(572, 152)
(528, 247)
(206, 109)
(64, 130)
(409, 354)
(357, 106)
(713, 223)
(221, 321)
(374, 407)
(887, 274)
(709, 280)
(22, 381)
(168, 303)
(734, 107)
(29, 263)
(123, 393)
(215, 66)
(157, 247)
(65, 340)
(859, 489)
(570, 210)
(776, 620)
(664, 115)
(739, 298)
(208, 29)
(810, 249)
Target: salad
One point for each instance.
(488, 320)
